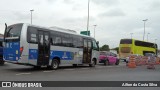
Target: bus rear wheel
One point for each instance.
(55, 64)
(1, 62)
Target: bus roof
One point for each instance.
(57, 29)
(136, 40)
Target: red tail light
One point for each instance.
(21, 50)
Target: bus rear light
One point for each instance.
(21, 50)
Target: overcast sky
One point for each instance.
(115, 19)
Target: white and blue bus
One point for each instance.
(52, 47)
(1, 51)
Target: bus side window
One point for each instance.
(58, 41)
(75, 42)
(32, 35)
(33, 38)
(80, 42)
(67, 40)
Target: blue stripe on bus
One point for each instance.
(33, 53)
(63, 55)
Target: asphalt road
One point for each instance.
(82, 73)
(13, 72)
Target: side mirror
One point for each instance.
(97, 42)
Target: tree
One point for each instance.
(117, 49)
(104, 48)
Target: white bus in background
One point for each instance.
(38, 46)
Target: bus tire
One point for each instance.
(1, 62)
(74, 65)
(55, 64)
(37, 67)
(93, 63)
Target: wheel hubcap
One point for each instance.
(55, 65)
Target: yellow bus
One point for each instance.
(132, 46)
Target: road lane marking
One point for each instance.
(23, 73)
(84, 68)
(69, 69)
(47, 71)
(101, 67)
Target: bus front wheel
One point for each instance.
(93, 63)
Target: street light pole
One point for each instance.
(131, 35)
(88, 19)
(147, 36)
(94, 29)
(144, 28)
(31, 15)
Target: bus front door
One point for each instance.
(43, 48)
(87, 51)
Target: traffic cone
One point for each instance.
(151, 63)
(132, 63)
(157, 60)
(138, 61)
(144, 60)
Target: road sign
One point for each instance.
(85, 33)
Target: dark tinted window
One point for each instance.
(77, 41)
(14, 30)
(32, 35)
(145, 44)
(126, 41)
(56, 38)
(67, 40)
(61, 39)
(1, 43)
(80, 42)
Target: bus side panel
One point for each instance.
(67, 55)
(26, 48)
(95, 54)
(32, 54)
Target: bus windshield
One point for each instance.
(13, 31)
(126, 41)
